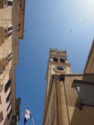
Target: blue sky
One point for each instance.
(48, 24)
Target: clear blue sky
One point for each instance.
(47, 25)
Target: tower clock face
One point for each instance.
(61, 68)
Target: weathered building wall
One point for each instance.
(89, 67)
(11, 29)
(76, 116)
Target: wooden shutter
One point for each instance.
(1, 4)
(1, 66)
(1, 116)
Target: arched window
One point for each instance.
(55, 59)
(62, 60)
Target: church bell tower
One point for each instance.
(57, 64)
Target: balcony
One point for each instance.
(85, 92)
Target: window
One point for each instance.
(5, 62)
(1, 116)
(8, 101)
(10, 28)
(20, 3)
(85, 91)
(62, 77)
(7, 85)
(10, 2)
(5, 2)
(1, 88)
(8, 31)
(62, 60)
(18, 28)
(9, 34)
(8, 106)
(9, 57)
(9, 114)
(55, 59)
(1, 4)
(1, 66)
(18, 101)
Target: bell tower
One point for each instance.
(57, 64)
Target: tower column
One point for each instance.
(63, 105)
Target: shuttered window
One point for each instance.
(1, 66)
(8, 101)
(10, 2)
(8, 31)
(7, 85)
(9, 114)
(62, 60)
(55, 59)
(1, 88)
(1, 4)
(5, 2)
(9, 57)
(1, 116)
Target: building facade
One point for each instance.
(69, 97)
(11, 30)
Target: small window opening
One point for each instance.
(55, 59)
(62, 60)
(10, 3)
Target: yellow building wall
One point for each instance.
(75, 115)
(89, 68)
(51, 118)
(9, 16)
